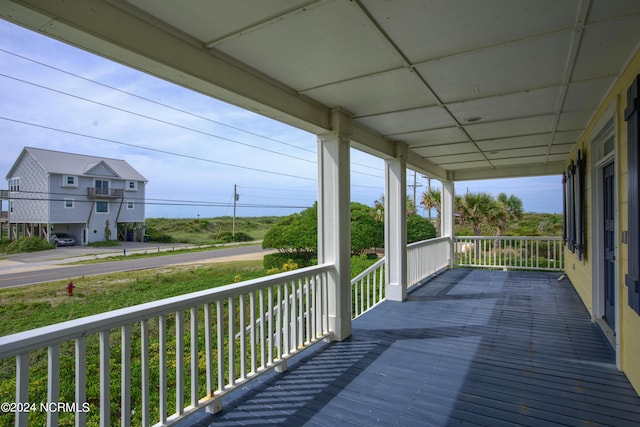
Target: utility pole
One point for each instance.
(415, 186)
(236, 196)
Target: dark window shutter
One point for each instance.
(631, 115)
(564, 208)
(571, 206)
(578, 200)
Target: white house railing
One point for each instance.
(510, 252)
(424, 259)
(159, 361)
(427, 258)
(367, 288)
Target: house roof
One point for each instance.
(58, 162)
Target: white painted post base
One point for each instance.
(395, 292)
(215, 406)
(281, 367)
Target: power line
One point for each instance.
(155, 119)
(157, 150)
(153, 101)
(64, 197)
(169, 107)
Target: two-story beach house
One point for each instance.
(84, 196)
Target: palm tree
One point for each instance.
(431, 199)
(511, 209)
(478, 209)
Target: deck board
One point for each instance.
(470, 347)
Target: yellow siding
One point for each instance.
(580, 271)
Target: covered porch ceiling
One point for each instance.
(476, 89)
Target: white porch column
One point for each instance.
(334, 220)
(395, 225)
(447, 211)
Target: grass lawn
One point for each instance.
(29, 307)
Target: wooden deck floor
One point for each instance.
(470, 347)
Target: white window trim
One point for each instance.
(131, 204)
(65, 182)
(73, 203)
(14, 185)
(96, 208)
(134, 188)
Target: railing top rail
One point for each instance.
(509, 237)
(12, 345)
(428, 242)
(371, 268)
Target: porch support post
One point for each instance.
(334, 220)
(447, 210)
(395, 225)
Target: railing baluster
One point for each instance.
(208, 349)
(270, 329)
(179, 362)
(105, 380)
(232, 341)
(252, 332)
(263, 351)
(144, 371)
(81, 379)
(22, 387)
(125, 372)
(286, 320)
(242, 329)
(307, 299)
(220, 342)
(194, 356)
(162, 368)
(53, 382)
(301, 322)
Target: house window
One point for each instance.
(102, 187)
(102, 207)
(10, 206)
(130, 205)
(69, 181)
(132, 186)
(14, 184)
(69, 203)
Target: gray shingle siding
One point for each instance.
(30, 204)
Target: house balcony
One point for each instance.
(502, 345)
(105, 193)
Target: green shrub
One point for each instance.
(228, 237)
(28, 244)
(361, 263)
(278, 259)
(419, 228)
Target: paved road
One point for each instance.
(37, 268)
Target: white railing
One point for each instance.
(424, 259)
(367, 288)
(427, 258)
(160, 361)
(507, 252)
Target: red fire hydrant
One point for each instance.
(70, 288)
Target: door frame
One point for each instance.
(603, 131)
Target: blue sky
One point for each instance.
(191, 148)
